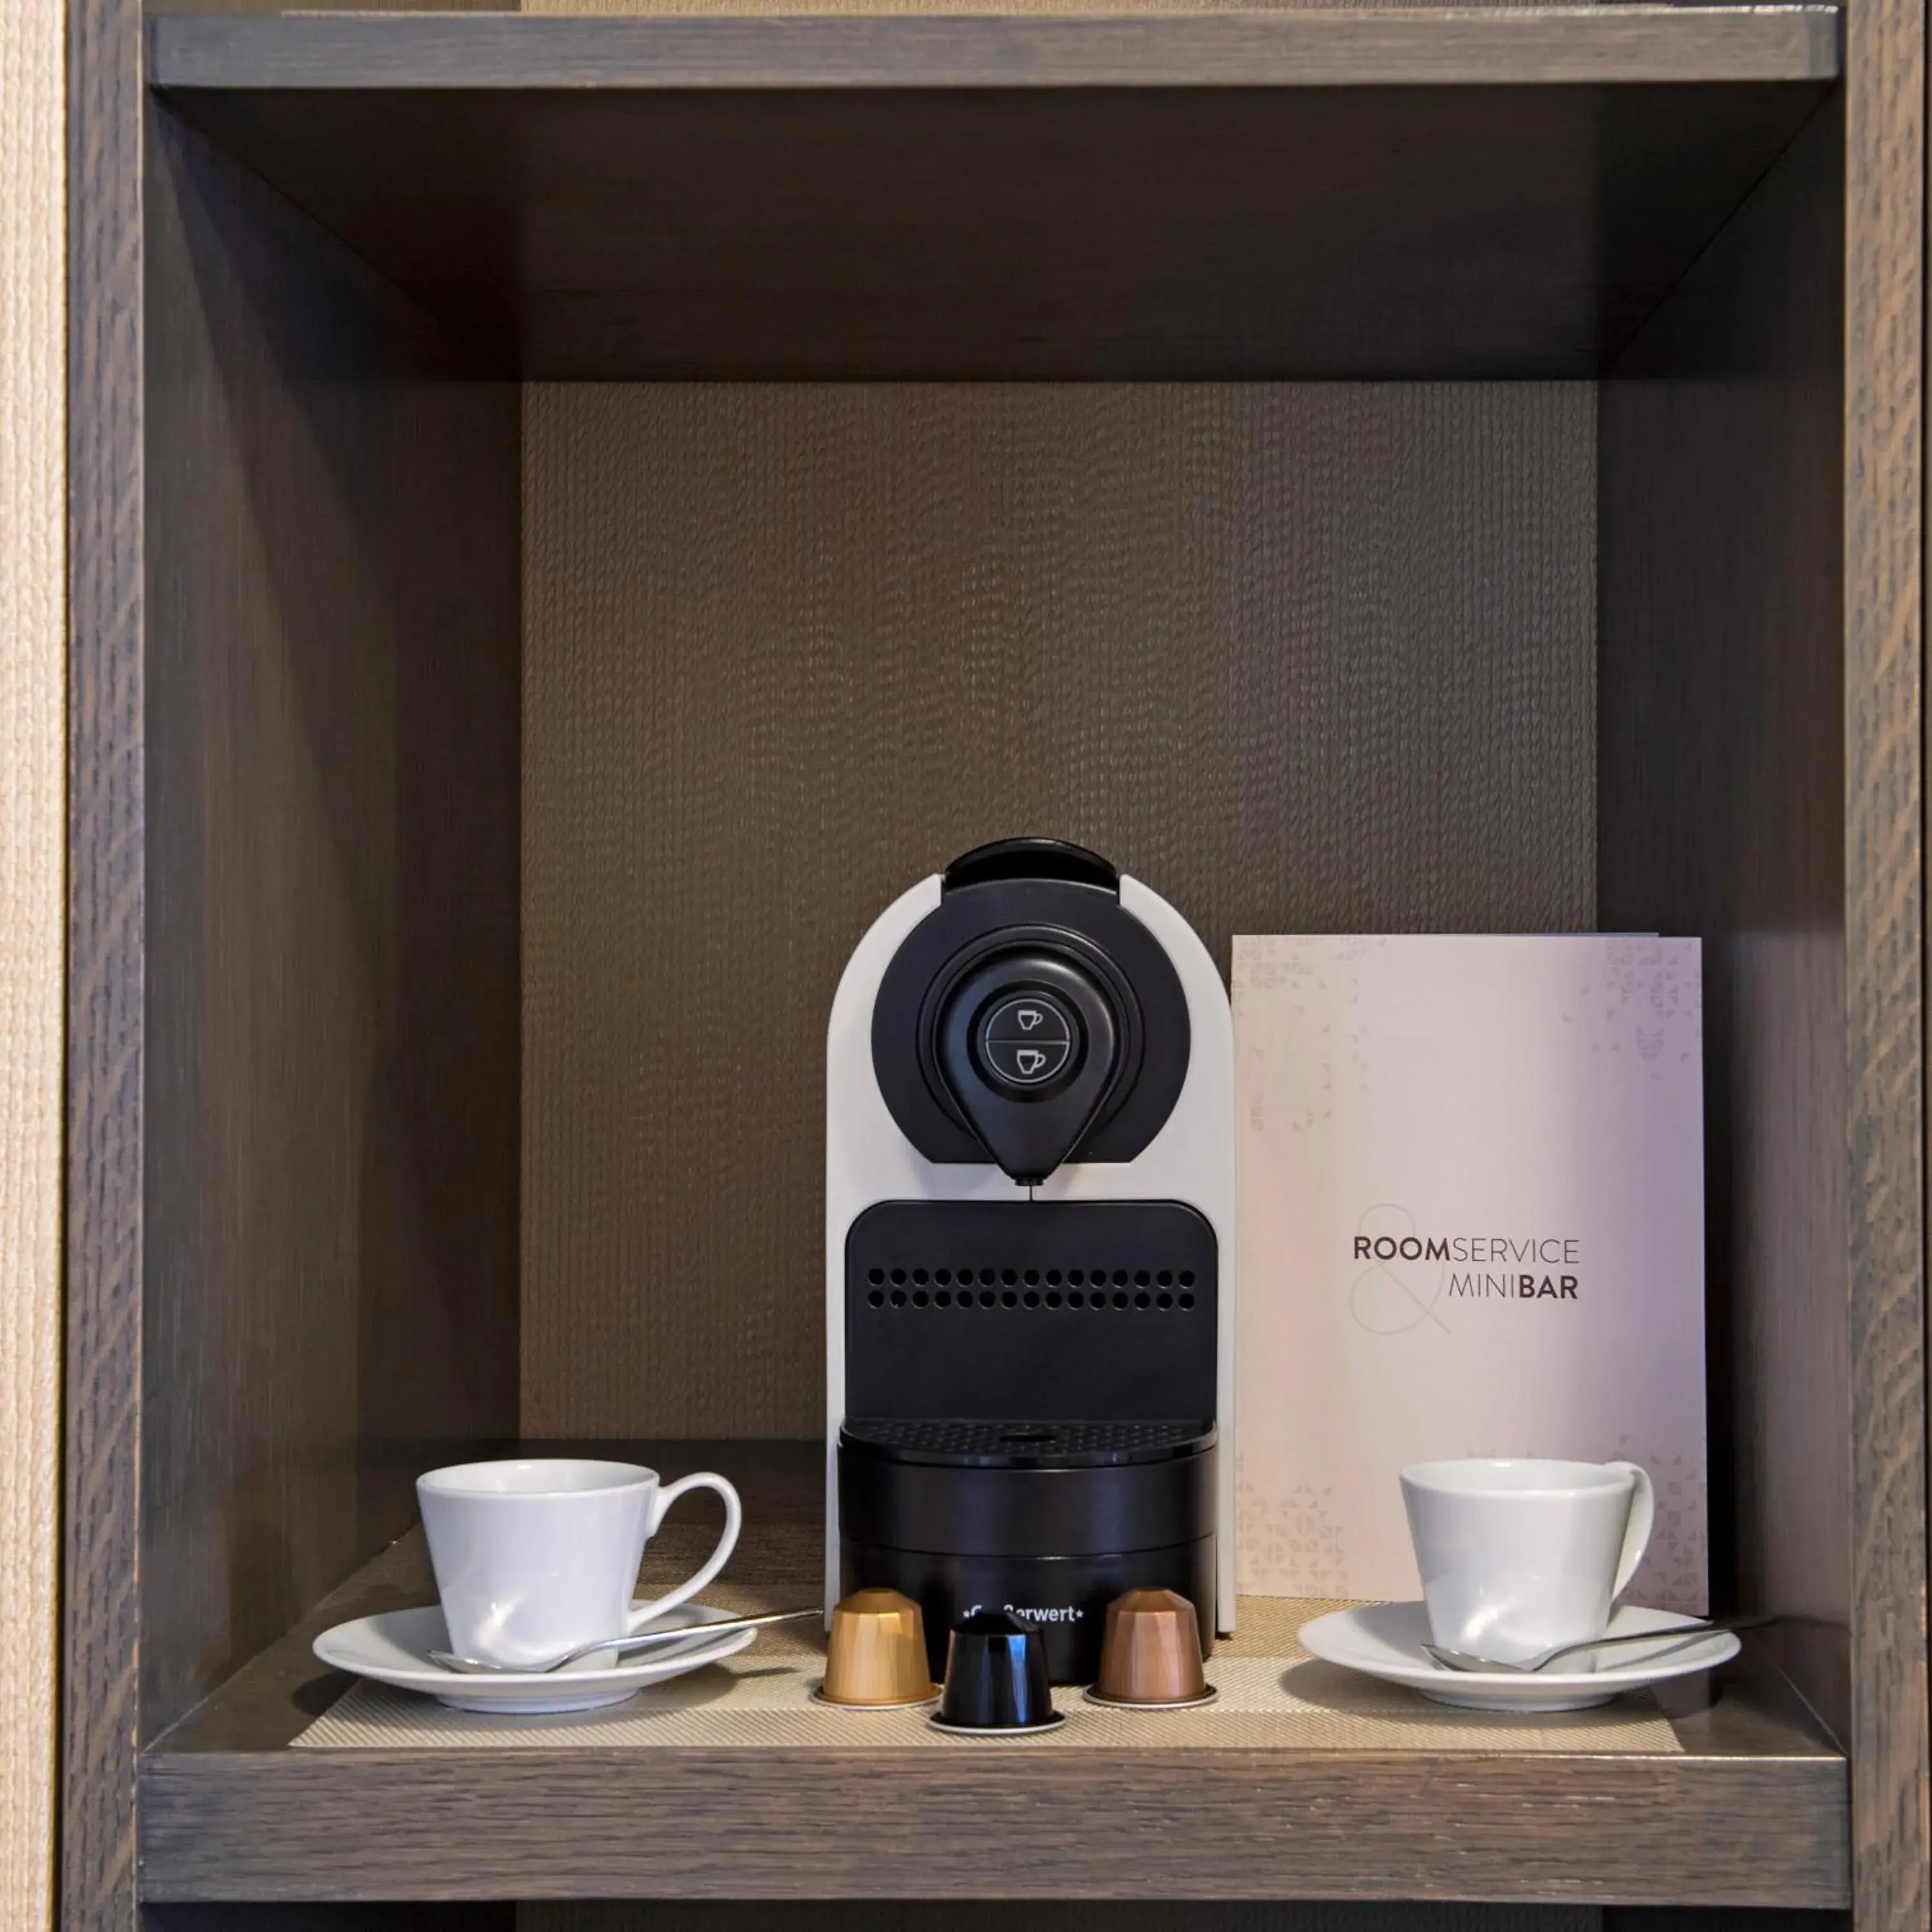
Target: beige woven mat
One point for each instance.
(1274, 1697)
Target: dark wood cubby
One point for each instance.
(1631, 297)
(1296, 195)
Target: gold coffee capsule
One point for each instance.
(877, 1656)
(1151, 1651)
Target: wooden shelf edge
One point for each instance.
(1751, 1807)
(755, 1824)
(1379, 47)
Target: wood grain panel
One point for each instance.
(1721, 779)
(33, 689)
(106, 945)
(332, 1018)
(654, 50)
(231, 8)
(1304, 659)
(1232, 1825)
(1292, 193)
(1885, 911)
(1761, 783)
(107, 886)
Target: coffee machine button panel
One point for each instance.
(1027, 1041)
(973, 953)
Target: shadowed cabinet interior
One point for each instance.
(571, 514)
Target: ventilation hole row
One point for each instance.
(953, 1437)
(1053, 1277)
(1031, 1297)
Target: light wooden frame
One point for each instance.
(33, 378)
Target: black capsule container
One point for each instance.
(996, 1677)
(1047, 1522)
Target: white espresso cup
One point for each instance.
(1518, 1556)
(534, 1558)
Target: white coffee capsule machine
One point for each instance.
(1030, 1252)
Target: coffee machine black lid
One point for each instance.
(1030, 859)
(1030, 1019)
(1071, 1505)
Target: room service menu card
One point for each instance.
(1471, 1188)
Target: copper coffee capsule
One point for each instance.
(1151, 1653)
(877, 1656)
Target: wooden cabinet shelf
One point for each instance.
(1373, 46)
(1746, 1805)
(497, 704)
(1333, 193)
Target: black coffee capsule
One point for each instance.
(996, 1677)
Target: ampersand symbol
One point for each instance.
(1391, 1297)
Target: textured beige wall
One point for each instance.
(1306, 657)
(32, 622)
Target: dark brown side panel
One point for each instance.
(1884, 935)
(1721, 786)
(1761, 761)
(101, 1423)
(332, 994)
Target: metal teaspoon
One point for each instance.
(480, 1666)
(1463, 1659)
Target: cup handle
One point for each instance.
(734, 1515)
(1636, 1529)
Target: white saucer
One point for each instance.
(393, 1648)
(1385, 1640)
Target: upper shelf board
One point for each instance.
(1379, 192)
(1368, 47)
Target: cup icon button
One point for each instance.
(1027, 1039)
(1027, 1066)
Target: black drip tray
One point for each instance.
(976, 1443)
